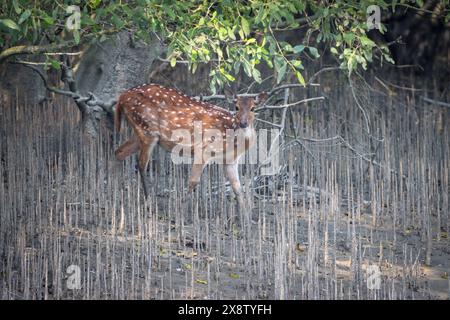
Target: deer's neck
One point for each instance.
(248, 133)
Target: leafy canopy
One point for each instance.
(231, 35)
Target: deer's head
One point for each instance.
(245, 109)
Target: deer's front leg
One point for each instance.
(196, 173)
(144, 156)
(233, 177)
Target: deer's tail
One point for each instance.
(118, 115)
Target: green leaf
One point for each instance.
(24, 16)
(219, 53)
(170, 12)
(300, 78)
(94, 3)
(281, 72)
(333, 50)
(55, 64)
(241, 34)
(348, 37)
(313, 51)
(297, 64)
(16, 7)
(229, 77)
(299, 48)
(279, 61)
(245, 26)
(118, 23)
(231, 33)
(173, 61)
(247, 68)
(237, 67)
(9, 24)
(351, 63)
(48, 20)
(366, 41)
(212, 86)
(389, 58)
(256, 75)
(288, 48)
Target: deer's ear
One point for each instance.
(261, 98)
(230, 95)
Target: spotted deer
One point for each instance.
(156, 112)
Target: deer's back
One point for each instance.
(154, 110)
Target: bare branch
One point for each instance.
(24, 49)
(386, 83)
(158, 69)
(440, 103)
(268, 122)
(52, 48)
(108, 106)
(90, 100)
(253, 95)
(168, 61)
(283, 106)
(319, 72)
(44, 79)
(223, 97)
(63, 53)
(291, 85)
(366, 118)
(31, 63)
(281, 126)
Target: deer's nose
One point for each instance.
(243, 124)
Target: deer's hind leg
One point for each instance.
(145, 153)
(128, 148)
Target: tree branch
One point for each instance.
(319, 72)
(439, 103)
(30, 49)
(283, 106)
(44, 80)
(51, 48)
(90, 100)
(253, 95)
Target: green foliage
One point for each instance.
(231, 35)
